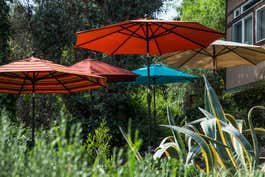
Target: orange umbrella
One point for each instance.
(112, 73)
(35, 75)
(149, 37)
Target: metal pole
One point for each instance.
(154, 103)
(214, 60)
(33, 111)
(148, 87)
(91, 104)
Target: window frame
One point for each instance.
(256, 23)
(237, 9)
(249, 1)
(242, 20)
(233, 29)
(243, 28)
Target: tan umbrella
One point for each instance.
(219, 54)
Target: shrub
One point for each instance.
(218, 140)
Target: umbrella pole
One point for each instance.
(33, 114)
(148, 87)
(154, 103)
(149, 102)
(214, 61)
(91, 106)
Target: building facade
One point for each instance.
(245, 23)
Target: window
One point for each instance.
(237, 12)
(237, 32)
(248, 5)
(248, 30)
(243, 30)
(260, 24)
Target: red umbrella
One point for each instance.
(112, 73)
(149, 37)
(35, 75)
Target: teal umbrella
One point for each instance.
(160, 74)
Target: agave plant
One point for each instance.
(217, 138)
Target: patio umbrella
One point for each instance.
(112, 73)
(148, 37)
(34, 75)
(160, 74)
(220, 54)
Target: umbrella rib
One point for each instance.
(263, 52)
(144, 32)
(189, 59)
(52, 74)
(136, 36)
(227, 50)
(124, 41)
(100, 37)
(161, 58)
(159, 50)
(133, 32)
(202, 52)
(153, 33)
(248, 60)
(27, 76)
(14, 76)
(192, 28)
(184, 37)
(167, 31)
(82, 77)
(222, 52)
(22, 86)
(47, 76)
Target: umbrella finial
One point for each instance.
(33, 54)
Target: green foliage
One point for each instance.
(252, 97)
(4, 31)
(59, 152)
(207, 12)
(98, 144)
(218, 139)
(49, 28)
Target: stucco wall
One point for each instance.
(242, 75)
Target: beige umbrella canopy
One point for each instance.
(219, 54)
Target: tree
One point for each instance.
(7, 101)
(52, 27)
(212, 14)
(4, 31)
(207, 12)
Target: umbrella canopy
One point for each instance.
(34, 75)
(112, 73)
(161, 74)
(147, 36)
(220, 54)
(46, 77)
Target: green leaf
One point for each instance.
(177, 137)
(253, 133)
(205, 149)
(212, 103)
